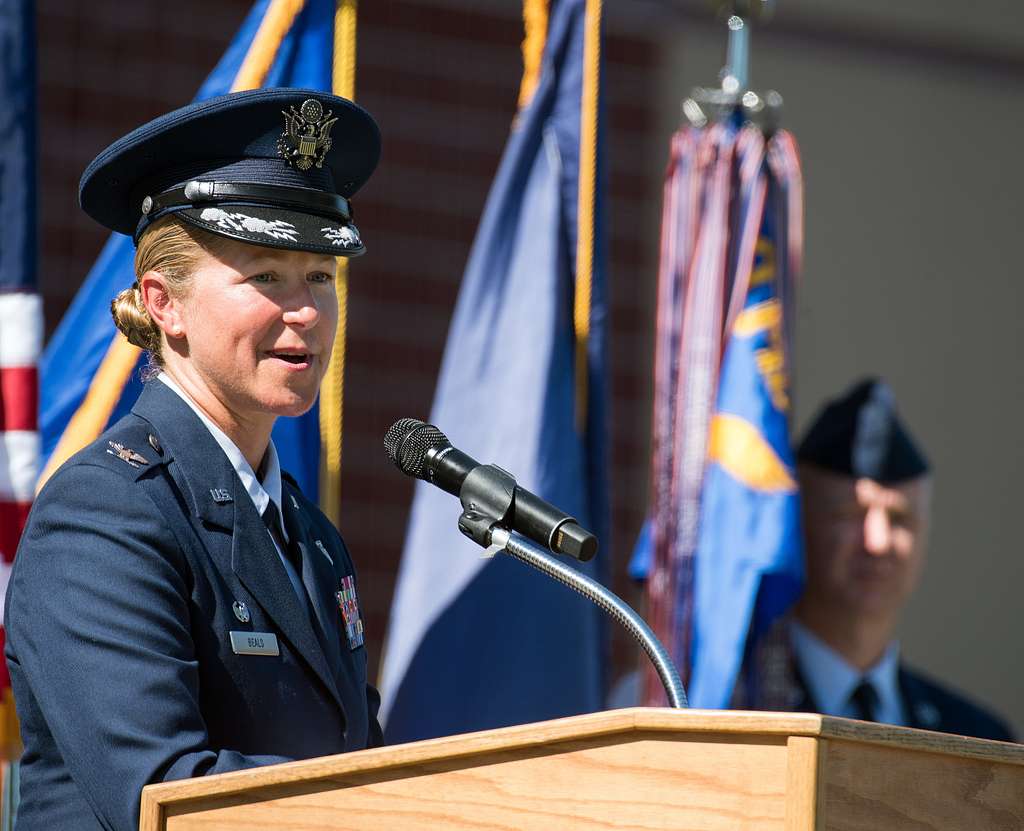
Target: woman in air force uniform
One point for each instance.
(177, 607)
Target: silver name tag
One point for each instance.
(254, 643)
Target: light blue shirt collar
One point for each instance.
(831, 680)
(260, 492)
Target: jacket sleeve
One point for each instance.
(375, 738)
(98, 620)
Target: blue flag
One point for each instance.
(749, 561)
(476, 643)
(69, 365)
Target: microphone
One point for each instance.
(488, 494)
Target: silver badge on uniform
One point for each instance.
(220, 495)
(241, 611)
(126, 454)
(323, 550)
(254, 643)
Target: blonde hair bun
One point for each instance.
(175, 250)
(133, 321)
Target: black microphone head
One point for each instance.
(407, 442)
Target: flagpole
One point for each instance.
(9, 779)
(586, 203)
(332, 391)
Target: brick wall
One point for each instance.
(442, 82)
(104, 68)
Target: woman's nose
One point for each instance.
(302, 310)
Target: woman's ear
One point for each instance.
(162, 307)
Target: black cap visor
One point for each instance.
(276, 227)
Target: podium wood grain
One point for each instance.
(626, 769)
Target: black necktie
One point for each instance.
(865, 701)
(291, 550)
(272, 519)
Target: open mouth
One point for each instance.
(295, 358)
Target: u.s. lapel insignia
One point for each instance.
(307, 135)
(349, 606)
(126, 454)
(241, 611)
(928, 714)
(220, 495)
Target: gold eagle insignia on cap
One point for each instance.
(307, 135)
(126, 454)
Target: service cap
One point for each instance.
(860, 435)
(273, 167)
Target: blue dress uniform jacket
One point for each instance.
(119, 613)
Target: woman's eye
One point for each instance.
(321, 277)
(266, 277)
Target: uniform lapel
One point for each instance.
(218, 499)
(318, 576)
(775, 681)
(920, 709)
(803, 701)
(197, 463)
(256, 562)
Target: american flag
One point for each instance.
(21, 320)
(21, 329)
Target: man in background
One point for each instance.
(866, 496)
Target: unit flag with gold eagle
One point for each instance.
(721, 547)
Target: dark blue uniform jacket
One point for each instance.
(118, 617)
(928, 705)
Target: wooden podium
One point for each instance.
(630, 769)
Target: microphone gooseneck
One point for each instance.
(524, 551)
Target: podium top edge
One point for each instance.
(737, 724)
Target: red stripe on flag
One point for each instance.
(19, 397)
(12, 521)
